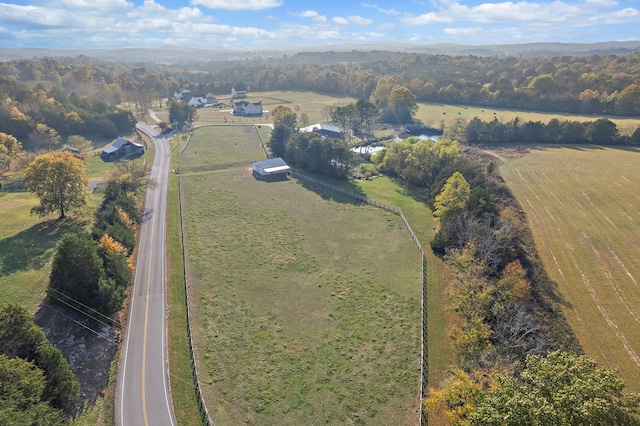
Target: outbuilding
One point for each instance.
(121, 148)
(270, 167)
(325, 130)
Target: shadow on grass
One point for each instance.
(279, 177)
(332, 194)
(30, 249)
(417, 193)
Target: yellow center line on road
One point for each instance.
(146, 322)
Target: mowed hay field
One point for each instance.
(305, 303)
(583, 205)
(438, 115)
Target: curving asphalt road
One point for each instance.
(143, 395)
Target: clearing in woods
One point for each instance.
(305, 303)
(583, 205)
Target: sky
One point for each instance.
(257, 24)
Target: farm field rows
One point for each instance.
(583, 205)
(305, 303)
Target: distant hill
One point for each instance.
(177, 55)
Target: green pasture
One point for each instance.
(305, 303)
(25, 250)
(411, 200)
(583, 206)
(440, 116)
(412, 203)
(27, 244)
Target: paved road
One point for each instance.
(143, 395)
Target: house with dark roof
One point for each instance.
(323, 129)
(120, 148)
(72, 150)
(196, 100)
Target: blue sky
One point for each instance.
(254, 24)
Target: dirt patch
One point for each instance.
(88, 345)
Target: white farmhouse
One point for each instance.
(238, 94)
(247, 109)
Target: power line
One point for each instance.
(112, 321)
(79, 323)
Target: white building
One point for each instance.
(324, 129)
(270, 167)
(247, 109)
(238, 94)
(196, 100)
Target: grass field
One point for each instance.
(308, 302)
(412, 203)
(583, 206)
(27, 244)
(25, 250)
(183, 393)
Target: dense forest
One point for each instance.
(596, 84)
(39, 117)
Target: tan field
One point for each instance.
(583, 206)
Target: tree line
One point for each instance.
(37, 386)
(40, 118)
(511, 341)
(601, 131)
(595, 84)
(94, 269)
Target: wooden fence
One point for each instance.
(204, 413)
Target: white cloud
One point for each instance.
(309, 14)
(619, 17)
(379, 9)
(524, 11)
(106, 6)
(602, 3)
(457, 32)
(360, 20)
(426, 19)
(31, 16)
(313, 15)
(115, 23)
(237, 4)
